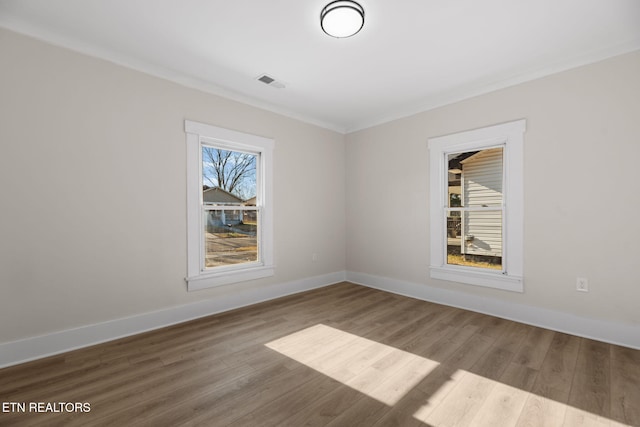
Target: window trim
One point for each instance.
(197, 135)
(511, 136)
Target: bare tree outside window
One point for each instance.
(232, 171)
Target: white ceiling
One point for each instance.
(411, 55)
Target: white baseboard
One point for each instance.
(624, 334)
(24, 350)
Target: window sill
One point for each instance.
(479, 278)
(212, 280)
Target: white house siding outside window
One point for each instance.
(476, 212)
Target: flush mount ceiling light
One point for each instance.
(342, 19)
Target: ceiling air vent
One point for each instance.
(268, 80)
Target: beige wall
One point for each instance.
(92, 167)
(92, 170)
(582, 189)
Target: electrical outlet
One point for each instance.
(582, 284)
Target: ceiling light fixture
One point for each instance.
(342, 18)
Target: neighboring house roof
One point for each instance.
(218, 195)
(456, 160)
(251, 201)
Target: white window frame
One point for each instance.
(511, 137)
(199, 277)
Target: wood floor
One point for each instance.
(343, 355)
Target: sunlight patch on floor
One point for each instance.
(442, 395)
(380, 371)
(473, 400)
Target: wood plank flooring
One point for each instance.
(344, 355)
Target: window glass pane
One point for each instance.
(474, 239)
(228, 177)
(475, 178)
(230, 237)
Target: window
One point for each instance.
(229, 208)
(476, 206)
